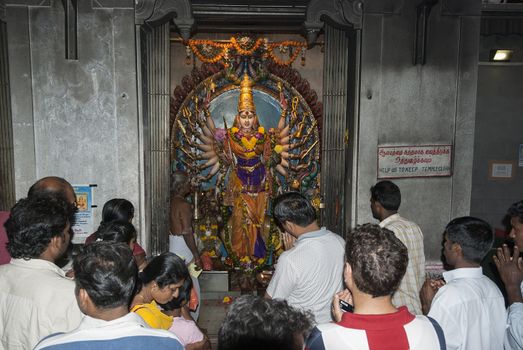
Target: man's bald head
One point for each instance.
(53, 184)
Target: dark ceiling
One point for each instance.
(287, 16)
(250, 16)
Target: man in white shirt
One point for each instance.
(469, 307)
(385, 201)
(309, 274)
(36, 299)
(105, 277)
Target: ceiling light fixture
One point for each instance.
(501, 55)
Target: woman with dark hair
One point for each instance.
(160, 282)
(120, 232)
(119, 209)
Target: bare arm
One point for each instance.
(187, 232)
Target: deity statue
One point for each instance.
(252, 154)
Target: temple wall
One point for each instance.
(75, 118)
(406, 104)
(498, 135)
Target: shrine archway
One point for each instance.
(341, 40)
(295, 130)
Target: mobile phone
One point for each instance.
(346, 307)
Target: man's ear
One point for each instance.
(84, 300)
(56, 243)
(379, 207)
(347, 274)
(456, 248)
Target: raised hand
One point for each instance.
(344, 295)
(510, 269)
(428, 291)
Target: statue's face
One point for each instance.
(247, 119)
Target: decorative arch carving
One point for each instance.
(206, 70)
(156, 12)
(340, 13)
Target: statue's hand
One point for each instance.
(283, 102)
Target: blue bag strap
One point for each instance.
(439, 332)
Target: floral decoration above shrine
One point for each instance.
(283, 53)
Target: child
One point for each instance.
(183, 325)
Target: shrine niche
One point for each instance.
(245, 126)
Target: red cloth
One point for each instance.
(138, 250)
(4, 254)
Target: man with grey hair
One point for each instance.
(181, 238)
(181, 235)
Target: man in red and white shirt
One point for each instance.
(376, 261)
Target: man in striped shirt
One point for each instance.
(385, 201)
(105, 277)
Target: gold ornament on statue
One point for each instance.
(295, 185)
(246, 101)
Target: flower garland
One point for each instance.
(280, 62)
(244, 52)
(212, 51)
(193, 44)
(249, 144)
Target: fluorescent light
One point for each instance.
(501, 55)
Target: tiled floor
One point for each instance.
(215, 286)
(212, 312)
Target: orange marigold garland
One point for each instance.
(244, 46)
(197, 46)
(246, 52)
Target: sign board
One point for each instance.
(83, 226)
(501, 169)
(414, 161)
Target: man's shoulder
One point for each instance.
(398, 223)
(132, 342)
(29, 273)
(330, 237)
(463, 290)
(178, 202)
(335, 236)
(325, 335)
(135, 336)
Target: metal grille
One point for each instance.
(156, 141)
(335, 89)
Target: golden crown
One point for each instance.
(246, 101)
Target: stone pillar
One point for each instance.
(7, 183)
